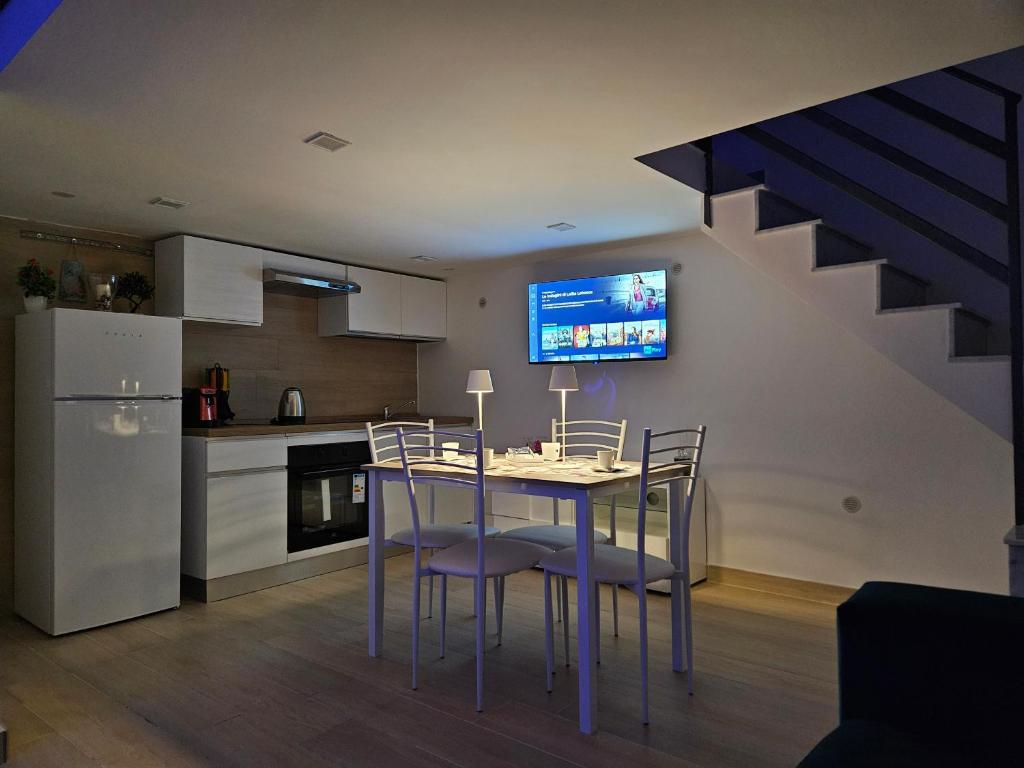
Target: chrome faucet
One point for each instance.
(389, 410)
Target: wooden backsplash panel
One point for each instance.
(338, 375)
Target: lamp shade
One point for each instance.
(563, 379)
(479, 381)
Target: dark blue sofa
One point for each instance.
(927, 677)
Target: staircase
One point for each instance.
(896, 219)
(947, 345)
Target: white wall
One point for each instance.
(800, 414)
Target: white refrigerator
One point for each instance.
(97, 471)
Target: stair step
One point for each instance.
(979, 358)
(755, 186)
(898, 288)
(848, 264)
(921, 308)
(730, 179)
(775, 211)
(832, 247)
(969, 334)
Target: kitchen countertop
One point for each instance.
(250, 429)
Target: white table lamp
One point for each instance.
(563, 379)
(479, 383)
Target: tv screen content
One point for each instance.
(590, 319)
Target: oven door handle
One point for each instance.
(318, 473)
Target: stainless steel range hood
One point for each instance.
(295, 284)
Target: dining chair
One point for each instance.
(479, 559)
(636, 569)
(583, 439)
(383, 441)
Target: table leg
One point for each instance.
(585, 615)
(675, 528)
(376, 589)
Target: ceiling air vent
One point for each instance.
(166, 202)
(561, 226)
(327, 141)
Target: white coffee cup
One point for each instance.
(451, 451)
(550, 451)
(488, 458)
(606, 458)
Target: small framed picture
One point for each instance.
(72, 282)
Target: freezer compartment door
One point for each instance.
(110, 353)
(117, 511)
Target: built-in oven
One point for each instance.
(326, 494)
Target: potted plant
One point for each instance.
(37, 285)
(136, 288)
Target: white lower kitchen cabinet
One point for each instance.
(234, 506)
(246, 527)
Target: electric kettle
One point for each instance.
(291, 409)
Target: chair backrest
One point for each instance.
(447, 466)
(684, 448)
(384, 442)
(585, 437)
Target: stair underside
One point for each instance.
(884, 305)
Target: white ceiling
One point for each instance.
(473, 124)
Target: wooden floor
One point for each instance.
(281, 678)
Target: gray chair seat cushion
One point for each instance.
(501, 557)
(551, 536)
(612, 565)
(440, 536)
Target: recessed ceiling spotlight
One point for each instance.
(58, 193)
(327, 141)
(167, 202)
(423, 257)
(561, 226)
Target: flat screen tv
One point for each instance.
(590, 319)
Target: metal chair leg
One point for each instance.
(564, 589)
(430, 552)
(415, 625)
(549, 633)
(597, 620)
(481, 619)
(641, 594)
(554, 519)
(499, 603)
(444, 609)
(688, 614)
(615, 610)
(613, 540)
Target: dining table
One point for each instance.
(579, 481)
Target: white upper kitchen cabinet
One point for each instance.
(388, 304)
(207, 280)
(423, 308)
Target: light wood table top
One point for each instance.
(575, 472)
